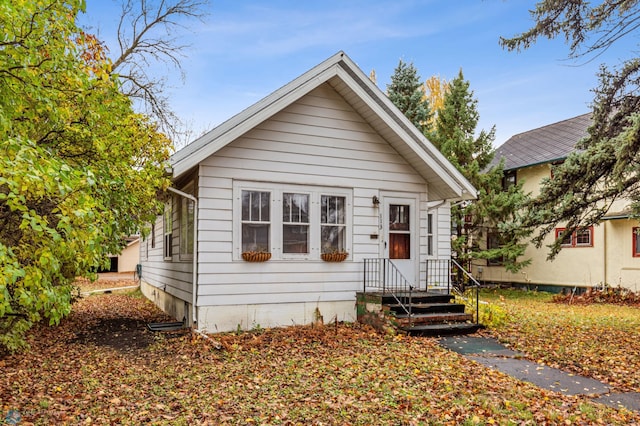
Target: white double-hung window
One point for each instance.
(295, 223)
(256, 220)
(333, 224)
(292, 222)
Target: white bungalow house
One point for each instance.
(324, 164)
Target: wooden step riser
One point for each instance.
(454, 309)
(446, 331)
(387, 300)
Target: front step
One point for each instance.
(434, 318)
(442, 329)
(427, 308)
(432, 314)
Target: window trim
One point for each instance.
(185, 245)
(635, 235)
(167, 218)
(430, 234)
(276, 224)
(574, 238)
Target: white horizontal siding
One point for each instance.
(442, 222)
(283, 298)
(174, 275)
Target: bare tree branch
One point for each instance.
(146, 37)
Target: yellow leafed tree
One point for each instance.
(435, 89)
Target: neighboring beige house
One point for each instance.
(325, 163)
(127, 260)
(607, 253)
(130, 255)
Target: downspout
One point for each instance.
(195, 252)
(604, 249)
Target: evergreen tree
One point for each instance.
(605, 166)
(474, 222)
(407, 93)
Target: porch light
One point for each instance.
(376, 201)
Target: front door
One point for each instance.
(400, 237)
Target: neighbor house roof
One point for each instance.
(366, 98)
(546, 144)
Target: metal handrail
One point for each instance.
(475, 285)
(441, 270)
(382, 274)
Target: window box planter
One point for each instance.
(338, 256)
(256, 256)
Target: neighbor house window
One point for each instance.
(333, 228)
(399, 232)
(168, 230)
(186, 227)
(295, 223)
(508, 179)
(256, 220)
(494, 242)
(579, 238)
(553, 167)
(430, 234)
(153, 235)
(636, 242)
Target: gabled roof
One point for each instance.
(546, 144)
(366, 98)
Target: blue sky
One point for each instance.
(245, 49)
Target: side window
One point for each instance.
(567, 239)
(295, 223)
(332, 224)
(636, 242)
(168, 230)
(493, 242)
(144, 249)
(430, 234)
(153, 235)
(256, 221)
(186, 226)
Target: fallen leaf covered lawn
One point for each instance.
(330, 375)
(601, 341)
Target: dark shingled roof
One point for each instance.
(543, 145)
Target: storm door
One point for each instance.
(399, 243)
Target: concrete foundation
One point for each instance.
(171, 305)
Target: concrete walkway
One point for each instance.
(490, 353)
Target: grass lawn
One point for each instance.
(93, 369)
